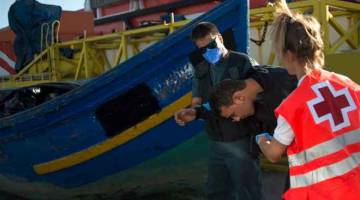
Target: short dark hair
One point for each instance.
(203, 29)
(223, 93)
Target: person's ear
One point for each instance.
(238, 97)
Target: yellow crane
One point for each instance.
(95, 55)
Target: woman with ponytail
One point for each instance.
(319, 122)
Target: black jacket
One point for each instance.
(237, 66)
(277, 85)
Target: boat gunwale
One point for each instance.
(108, 77)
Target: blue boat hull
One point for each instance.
(67, 148)
(179, 169)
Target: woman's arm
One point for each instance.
(273, 150)
(283, 137)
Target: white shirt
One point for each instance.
(283, 131)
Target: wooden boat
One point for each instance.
(115, 133)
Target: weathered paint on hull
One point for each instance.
(181, 168)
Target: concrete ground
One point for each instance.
(273, 185)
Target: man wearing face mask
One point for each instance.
(233, 172)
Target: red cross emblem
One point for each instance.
(331, 105)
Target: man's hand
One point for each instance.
(195, 101)
(184, 116)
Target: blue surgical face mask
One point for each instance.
(212, 55)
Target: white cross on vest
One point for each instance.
(331, 105)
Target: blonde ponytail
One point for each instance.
(298, 34)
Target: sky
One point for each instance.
(65, 4)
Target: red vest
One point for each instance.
(324, 158)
